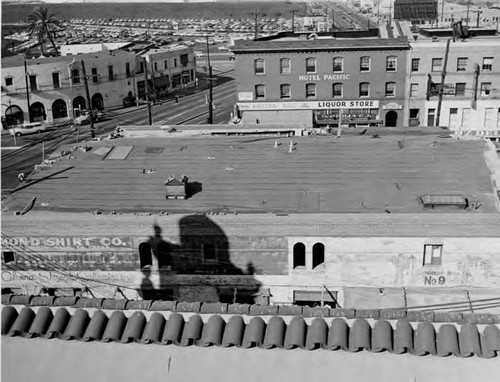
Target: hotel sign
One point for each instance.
(312, 105)
(325, 77)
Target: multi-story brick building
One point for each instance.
(52, 89)
(471, 100)
(168, 69)
(311, 79)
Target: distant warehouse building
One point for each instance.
(416, 11)
(316, 79)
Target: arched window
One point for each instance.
(318, 254)
(285, 91)
(338, 90)
(259, 66)
(310, 90)
(14, 116)
(391, 64)
(299, 255)
(310, 65)
(97, 101)
(390, 89)
(37, 112)
(145, 256)
(79, 104)
(59, 109)
(260, 91)
(338, 64)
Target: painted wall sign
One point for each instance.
(308, 105)
(324, 77)
(65, 242)
(392, 106)
(245, 96)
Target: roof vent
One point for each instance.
(176, 188)
(432, 201)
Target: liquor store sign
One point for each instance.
(310, 105)
(67, 242)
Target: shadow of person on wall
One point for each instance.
(200, 267)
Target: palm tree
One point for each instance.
(42, 24)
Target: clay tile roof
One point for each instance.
(419, 339)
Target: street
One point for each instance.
(21, 155)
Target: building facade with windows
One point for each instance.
(52, 89)
(167, 69)
(471, 92)
(315, 80)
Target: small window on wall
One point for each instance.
(260, 91)
(299, 255)
(8, 81)
(209, 252)
(391, 64)
(318, 255)
(259, 66)
(338, 64)
(364, 64)
(285, 91)
(310, 65)
(310, 91)
(145, 256)
(433, 254)
(8, 257)
(285, 66)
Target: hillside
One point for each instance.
(14, 13)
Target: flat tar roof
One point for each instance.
(353, 174)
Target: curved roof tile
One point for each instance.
(9, 315)
(154, 329)
(317, 334)
(134, 328)
(59, 323)
(463, 341)
(233, 335)
(115, 327)
(96, 327)
(22, 322)
(41, 322)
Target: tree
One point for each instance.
(42, 24)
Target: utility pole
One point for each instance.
(89, 108)
(441, 88)
(256, 27)
(148, 92)
(467, 19)
(210, 88)
(27, 89)
(442, 10)
(293, 20)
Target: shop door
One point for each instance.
(454, 121)
(489, 118)
(430, 117)
(465, 117)
(391, 119)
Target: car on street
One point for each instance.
(28, 128)
(84, 117)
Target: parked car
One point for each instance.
(84, 117)
(28, 128)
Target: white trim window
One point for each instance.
(259, 66)
(260, 91)
(338, 64)
(391, 64)
(285, 66)
(433, 254)
(364, 64)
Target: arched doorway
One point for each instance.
(37, 111)
(79, 104)
(97, 101)
(59, 109)
(391, 119)
(14, 116)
